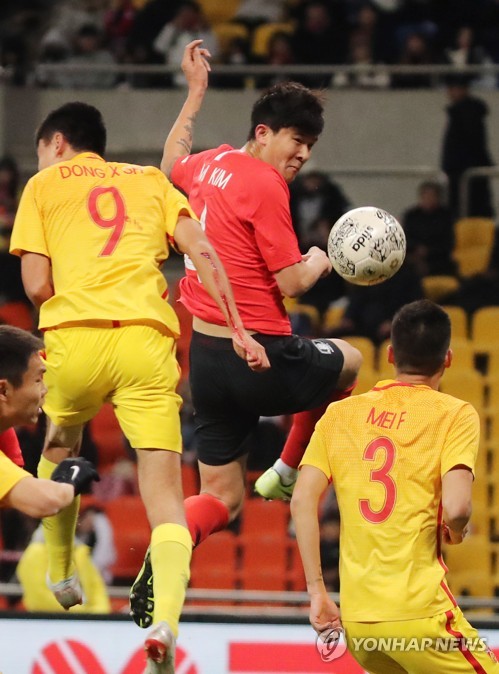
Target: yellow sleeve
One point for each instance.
(316, 453)
(92, 583)
(28, 233)
(10, 475)
(462, 441)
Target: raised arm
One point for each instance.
(179, 142)
(191, 239)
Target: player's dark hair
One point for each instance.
(81, 124)
(420, 338)
(16, 348)
(289, 105)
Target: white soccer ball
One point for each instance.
(366, 246)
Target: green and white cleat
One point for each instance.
(270, 486)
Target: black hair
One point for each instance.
(289, 105)
(81, 124)
(16, 348)
(421, 333)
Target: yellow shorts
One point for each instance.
(10, 475)
(444, 643)
(134, 367)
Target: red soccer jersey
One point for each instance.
(243, 205)
(9, 445)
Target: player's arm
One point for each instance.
(179, 141)
(37, 278)
(311, 483)
(191, 239)
(456, 502)
(296, 279)
(39, 498)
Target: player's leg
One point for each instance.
(279, 480)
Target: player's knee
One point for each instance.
(352, 362)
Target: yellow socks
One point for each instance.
(171, 548)
(59, 531)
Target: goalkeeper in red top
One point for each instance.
(22, 393)
(241, 197)
(402, 460)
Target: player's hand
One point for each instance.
(319, 257)
(79, 472)
(324, 613)
(453, 537)
(195, 65)
(250, 350)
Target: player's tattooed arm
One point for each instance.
(179, 142)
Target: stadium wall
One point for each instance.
(383, 129)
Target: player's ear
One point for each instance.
(448, 358)
(4, 385)
(389, 354)
(262, 134)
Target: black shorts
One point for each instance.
(229, 398)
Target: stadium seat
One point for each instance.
(190, 480)
(332, 318)
(214, 562)
(132, 535)
(264, 563)
(463, 354)
(265, 517)
(17, 314)
(366, 379)
(367, 349)
(219, 12)
(466, 385)
(475, 550)
(296, 575)
(108, 436)
(437, 288)
(263, 34)
(474, 238)
(227, 32)
(485, 328)
(459, 321)
(471, 583)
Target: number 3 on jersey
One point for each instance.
(116, 223)
(380, 475)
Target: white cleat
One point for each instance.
(160, 649)
(68, 592)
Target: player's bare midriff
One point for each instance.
(198, 325)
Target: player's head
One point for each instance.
(286, 122)
(74, 127)
(22, 390)
(420, 338)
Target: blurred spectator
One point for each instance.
(32, 574)
(416, 51)
(150, 20)
(121, 480)
(236, 53)
(465, 51)
(118, 23)
(88, 51)
(370, 309)
(68, 16)
(16, 530)
(252, 13)
(320, 38)
(280, 53)
(465, 145)
(314, 196)
(95, 530)
(189, 23)
(429, 229)
(360, 55)
(11, 287)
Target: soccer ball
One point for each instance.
(366, 246)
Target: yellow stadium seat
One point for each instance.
(218, 11)
(366, 379)
(474, 238)
(463, 354)
(437, 288)
(332, 318)
(311, 313)
(485, 329)
(227, 32)
(472, 583)
(473, 554)
(466, 385)
(459, 321)
(366, 347)
(263, 35)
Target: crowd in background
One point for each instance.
(311, 32)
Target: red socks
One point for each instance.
(9, 445)
(303, 427)
(205, 515)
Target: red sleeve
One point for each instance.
(9, 444)
(274, 231)
(183, 171)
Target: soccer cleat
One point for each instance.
(160, 650)
(142, 595)
(68, 592)
(269, 486)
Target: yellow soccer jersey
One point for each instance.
(104, 227)
(10, 475)
(386, 452)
